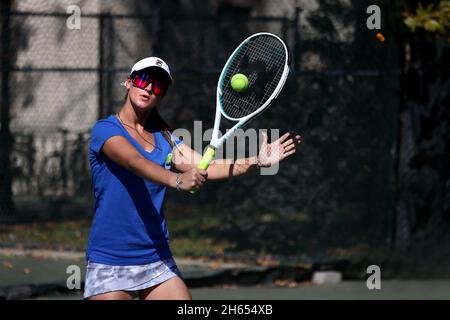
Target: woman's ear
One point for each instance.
(127, 83)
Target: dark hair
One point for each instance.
(159, 124)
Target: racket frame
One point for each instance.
(216, 142)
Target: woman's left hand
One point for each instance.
(272, 153)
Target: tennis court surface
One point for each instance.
(347, 290)
(43, 276)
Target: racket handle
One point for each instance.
(208, 156)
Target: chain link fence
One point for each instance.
(340, 96)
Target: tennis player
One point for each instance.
(134, 157)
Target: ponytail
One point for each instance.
(160, 125)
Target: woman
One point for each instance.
(131, 154)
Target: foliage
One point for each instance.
(432, 18)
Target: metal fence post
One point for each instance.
(5, 64)
(7, 208)
(110, 63)
(100, 65)
(296, 54)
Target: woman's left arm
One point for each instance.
(186, 158)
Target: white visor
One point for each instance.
(151, 62)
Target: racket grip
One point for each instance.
(208, 156)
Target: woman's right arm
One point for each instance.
(122, 152)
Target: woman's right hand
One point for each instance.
(192, 179)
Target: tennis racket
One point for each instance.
(264, 59)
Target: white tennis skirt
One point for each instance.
(102, 278)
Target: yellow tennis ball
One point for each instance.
(239, 82)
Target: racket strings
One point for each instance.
(262, 60)
(256, 50)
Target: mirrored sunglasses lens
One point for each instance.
(141, 80)
(159, 88)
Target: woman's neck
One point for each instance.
(133, 118)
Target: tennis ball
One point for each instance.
(239, 82)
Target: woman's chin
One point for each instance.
(143, 105)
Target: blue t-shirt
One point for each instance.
(129, 227)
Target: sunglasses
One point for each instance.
(141, 80)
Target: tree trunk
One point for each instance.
(422, 159)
